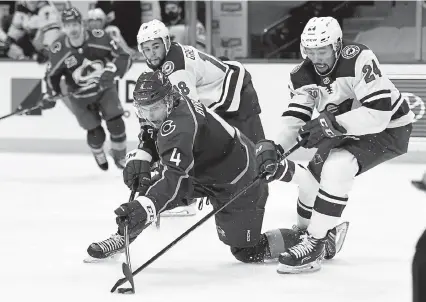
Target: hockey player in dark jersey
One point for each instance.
(225, 87)
(89, 61)
(363, 121)
(193, 166)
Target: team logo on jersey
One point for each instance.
(350, 51)
(98, 33)
(88, 72)
(56, 47)
(332, 108)
(167, 128)
(168, 68)
(326, 80)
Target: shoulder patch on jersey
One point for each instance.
(296, 69)
(167, 128)
(168, 67)
(56, 47)
(98, 33)
(176, 56)
(304, 75)
(350, 51)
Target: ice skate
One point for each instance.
(306, 256)
(100, 158)
(107, 249)
(183, 211)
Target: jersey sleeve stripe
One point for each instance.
(99, 46)
(230, 98)
(299, 115)
(382, 104)
(376, 94)
(306, 108)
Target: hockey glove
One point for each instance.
(323, 127)
(47, 101)
(137, 172)
(107, 77)
(137, 214)
(268, 155)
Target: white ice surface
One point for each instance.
(53, 207)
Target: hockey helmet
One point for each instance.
(70, 15)
(320, 32)
(151, 88)
(152, 30)
(96, 14)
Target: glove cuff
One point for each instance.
(138, 154)
(149, 207)
(111, 67)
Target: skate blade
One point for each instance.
(305, 268)
(341, 231)
(183, 213)
(112, 258)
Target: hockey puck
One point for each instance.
(125, 291)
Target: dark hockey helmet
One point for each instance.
(153, 89)
(71, 15)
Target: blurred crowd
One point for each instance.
(29, 27)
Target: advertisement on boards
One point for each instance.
(22, 83)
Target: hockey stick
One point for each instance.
(196, 225)
(127, 266)
(21, 110)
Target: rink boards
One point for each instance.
(57, 130)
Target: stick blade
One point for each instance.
(129, 276)
(117, 284)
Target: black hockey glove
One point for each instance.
(268, 155)
(137, 172)
(323, 127)
(47, 101)
(137, 214)
(107, 77)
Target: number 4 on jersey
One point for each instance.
(175, 157)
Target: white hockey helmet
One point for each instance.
(96, 14)
(153, 30)
(320, 32)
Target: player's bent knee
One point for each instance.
(96, 137)
(339, 171)
(116, 125)
(252, 254)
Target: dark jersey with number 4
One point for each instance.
(195, 147)
(82, 66)
(216, 84)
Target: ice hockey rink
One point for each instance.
(54, 206)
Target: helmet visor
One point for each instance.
(154, 114)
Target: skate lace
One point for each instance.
(115, 242)
(303, 248)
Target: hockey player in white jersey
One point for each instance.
(223, 86)
(363, 121)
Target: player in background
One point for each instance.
(179, 31)
(225, 87)
(97, 19)
(89, 61)
(363, 121)
(40, 20)
(184, 130)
